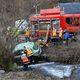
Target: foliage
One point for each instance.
(6, 46)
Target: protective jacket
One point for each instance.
(54, 33)
(61, 33)
(27, 33)
(66, 35)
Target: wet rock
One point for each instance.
(2, 71)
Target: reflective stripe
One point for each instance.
(60, 33)
(26, 62)
(25, 59)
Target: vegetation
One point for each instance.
(64, 54)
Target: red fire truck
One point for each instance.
(55, 18)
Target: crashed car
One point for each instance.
(36, 51)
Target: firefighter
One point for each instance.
(54, 36)
(60, 36)
(25, 60)
(66, 37)
(27, 52)
(54, 32)
(27, 34)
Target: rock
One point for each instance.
(2, 71)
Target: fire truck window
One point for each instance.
(43, 26)
(35, 27)
(69, 20)
(76, 21)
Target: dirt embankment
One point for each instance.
(22, 75)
